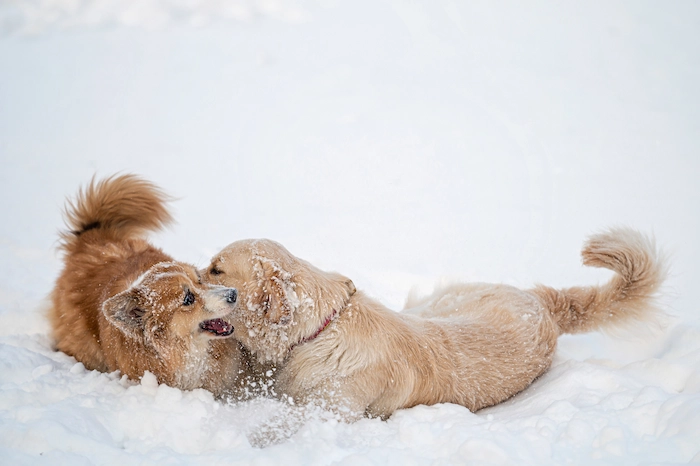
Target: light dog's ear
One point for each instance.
(279, 309)
(351, 287)
(342, 286)
(123, 311)
(276, 284)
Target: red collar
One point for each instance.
(325, 324)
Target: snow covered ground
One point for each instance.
(400, 143)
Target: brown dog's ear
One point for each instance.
(123, 311)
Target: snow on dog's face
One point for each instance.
(283, 299)
(168, 305)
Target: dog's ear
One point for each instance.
(341, 286)
(276, 284)
(123, 311)
(351, 286)
(279, 309)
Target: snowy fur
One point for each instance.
(470, 344)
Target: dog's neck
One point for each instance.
(323, 326)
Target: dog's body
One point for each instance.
(473, 344)
(122, 304)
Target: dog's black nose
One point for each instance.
(231, 295)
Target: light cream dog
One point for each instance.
(471, 344)
(122, 304)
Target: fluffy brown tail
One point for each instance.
(628, 296)
(124, 206)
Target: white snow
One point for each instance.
(403, 144)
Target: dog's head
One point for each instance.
(168, 306)
(283, 299)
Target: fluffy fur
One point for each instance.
(471, 344)
(122, 304)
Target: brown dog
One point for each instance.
(122, 304)
(471, 344)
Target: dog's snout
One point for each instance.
(231, 295)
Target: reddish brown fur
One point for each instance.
(118, 303)
(471, 344)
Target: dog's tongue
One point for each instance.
(218, 327)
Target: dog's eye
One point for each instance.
(215, 271)
(189, 298)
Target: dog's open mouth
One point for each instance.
(218, 327)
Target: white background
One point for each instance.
(400, 143)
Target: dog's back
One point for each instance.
(103, 252)
(515, 331)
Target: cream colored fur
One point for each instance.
(471, 344)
